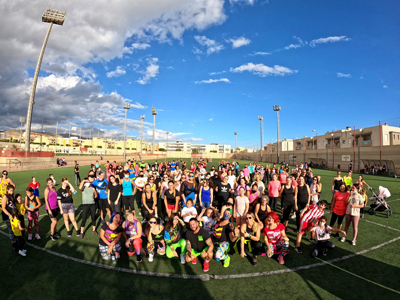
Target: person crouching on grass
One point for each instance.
(322, 235)
(308, 217)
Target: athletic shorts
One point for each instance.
(304, 227)
(195, 253)
(103, 203)
(54, 212)
(68, 208)
(171, 206)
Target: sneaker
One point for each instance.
(94, 232)
(183, 259)
(287, 229)
(139, 258)
(151, 256)
(22, 253)
(325, 252)
(78, 233)
(82, 235)
(253, 260)
(37, 236)
(166, 219)
(298, 250)
(362, 216)
(53, 237)
(353, 242)
(194, 261)
(140, 213)
(57, 235)
(161, 222)
(206, 266)
(144, 221)
(281, 260)
(30, 237)
(314, 241)
(102, 222)
(342, 239)
(69, 233)
(226, 262)
(293, 216)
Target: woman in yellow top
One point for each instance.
(348, 180)
(5, 181)
(19, 241)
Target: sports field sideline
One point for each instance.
(71, 267)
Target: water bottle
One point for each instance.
(75, 192)
(113, 259)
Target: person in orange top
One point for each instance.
(282, 177)
(338, 207)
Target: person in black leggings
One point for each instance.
(89, 195)
(287, 195)
(250, 238)
(149, 203)
(302, 199)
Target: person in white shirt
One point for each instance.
(189, 211)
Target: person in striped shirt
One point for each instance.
(307, 218)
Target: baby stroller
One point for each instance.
(380, 204)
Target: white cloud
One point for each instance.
(260, 53)
(239, 42)
(217, 73)
(213, 81)
(385, 86)
(140, 46)
(118, 72)
(342, 75)
(210, 119)
(263, 70)
(293, 46)
(150, 72)
(211, 45)
(250, 2)
(331, 39)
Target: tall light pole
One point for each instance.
(235, 133)
(53, 17)
(261, 133)
(277, 108)
(141, 135)
(313, 139)
(167, 141)
(154, 113)
(126, 106)
(21, 120)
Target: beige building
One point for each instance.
(188, 147)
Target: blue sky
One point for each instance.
(328, 64)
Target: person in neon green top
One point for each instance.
(348, 180)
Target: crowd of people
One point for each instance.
(190, 211)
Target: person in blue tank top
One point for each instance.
(206, 194)
(100, 185)
(128, 199)
(173, 166)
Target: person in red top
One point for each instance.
(338, 207)
(308, 217)
(282, 177)
(275, 238)
(35, 186)
(274, 187)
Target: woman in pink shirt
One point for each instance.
(274, 187)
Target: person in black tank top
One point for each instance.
(149, 202)
(250, 239)
(337, 181)
(261, 211)
(287, 194)
(302, 199)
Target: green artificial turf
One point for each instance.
(372, 275)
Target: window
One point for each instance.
(386, 137)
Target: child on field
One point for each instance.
(32, 204)
(35, 186)
(322, 235)
(19, 241)
(21, 209)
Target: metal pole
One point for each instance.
(141, 138)
(20, 137)
(354, 149)
(32, 96)
(261, 135)
(317, 145)
(56, 133)
(126, 114)
(277, 144)
(41, 136)
(380, 140)
(333, 150)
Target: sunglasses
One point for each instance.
(151, 179)
(5, 173)
(165, 176)
(152, 222)
(249, 218)
(191, 175)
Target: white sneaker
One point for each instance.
(183, 259)
(161, 222)
(353, 242)
(24, 250)
(156, 216)
(30, 237)
(342, 239)
(22, 253)
(37, 236)
(151, 257)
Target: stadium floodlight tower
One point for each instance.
(154, 113)
(235, 133)
(53, 17)
(277, 108)
(141, 135)
(261, 133)
(126, 106)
